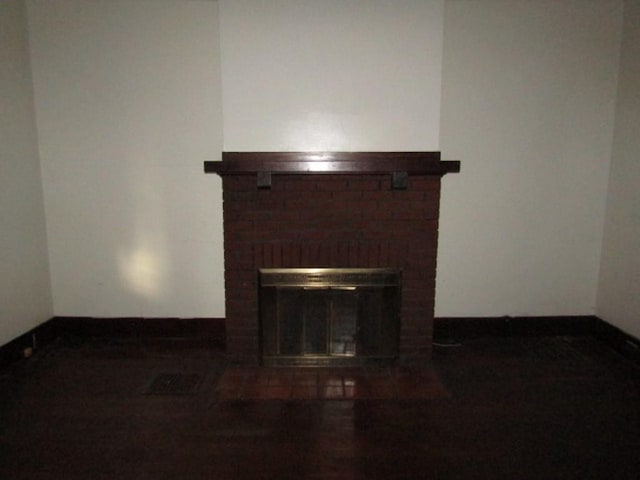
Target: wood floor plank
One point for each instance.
(515, 408)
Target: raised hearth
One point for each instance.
(364, 211)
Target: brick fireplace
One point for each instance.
(336, 210)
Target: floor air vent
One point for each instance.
(173, 384)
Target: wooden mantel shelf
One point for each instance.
(283, 163)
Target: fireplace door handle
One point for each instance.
(322, 287)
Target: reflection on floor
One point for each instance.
(381, 383)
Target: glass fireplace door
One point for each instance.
(328, 316)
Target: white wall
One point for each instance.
(128, 108)
(130, 99)
(527, 104)
(25, 294)
(331, 74)
(619, 288)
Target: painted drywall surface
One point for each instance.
(527, 105)
(25, 293)
(116, 177)
(331, 74)
(128, 107)
(619, 288)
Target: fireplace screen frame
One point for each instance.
(298, 303)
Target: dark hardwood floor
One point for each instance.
(516, 408)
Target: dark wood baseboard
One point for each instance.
(211, 331)
(22, 346)
(208, 331)
(471, 327)
(452, 329)
(623, 343)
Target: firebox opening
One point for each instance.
(329, 316)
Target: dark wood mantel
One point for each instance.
(250, 163)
